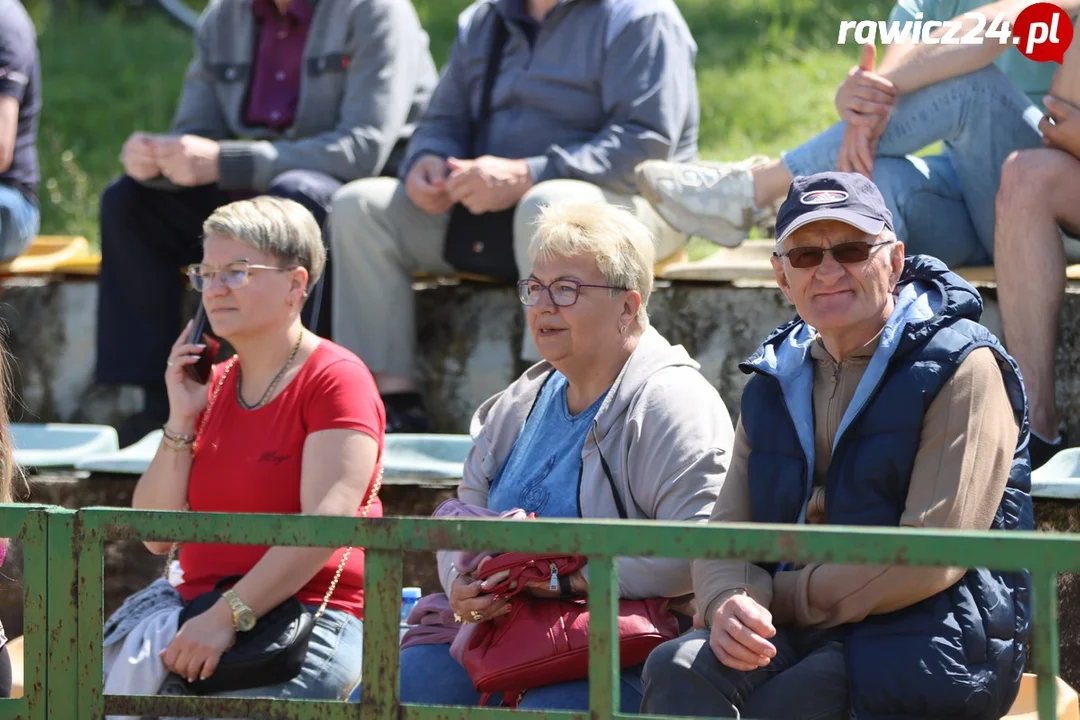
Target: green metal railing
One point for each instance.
(64, 592)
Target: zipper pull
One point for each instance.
(553, 586)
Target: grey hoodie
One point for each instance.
(664, 432)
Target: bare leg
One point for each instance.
(1038, 193)
(771, 182)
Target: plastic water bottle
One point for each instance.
(409, 597)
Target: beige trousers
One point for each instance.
(379, 239)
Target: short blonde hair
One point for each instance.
(623, 246)
(276, 226)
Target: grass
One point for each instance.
(767, 71)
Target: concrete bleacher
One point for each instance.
(720, 308)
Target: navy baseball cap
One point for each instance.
(847, 197)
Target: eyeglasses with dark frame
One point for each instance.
(233, 275)
(847, 253)
(562, 292)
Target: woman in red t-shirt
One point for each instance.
(292, 424)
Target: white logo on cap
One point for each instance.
(823, 197)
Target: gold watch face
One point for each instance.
(245, 621)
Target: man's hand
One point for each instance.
(200, 643)
(1064, 132)
(425, 184)
(865, 96)
(188, 160)
(488, 184)
(139, 157)
(739, 634)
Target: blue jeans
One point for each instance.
(942, 205)
(19, 221)
(430, 676)
(331, 670)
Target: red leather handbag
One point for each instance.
(545, 641)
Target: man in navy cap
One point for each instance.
(884, 402)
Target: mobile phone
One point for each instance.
(1032, 116)
(200, 371)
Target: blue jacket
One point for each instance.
(957, 654)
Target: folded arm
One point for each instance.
(717, 580)
(961, 468)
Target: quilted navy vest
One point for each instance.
(960, 653)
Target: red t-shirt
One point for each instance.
(249, 461)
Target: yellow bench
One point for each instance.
(750, 262)
(680, 256)
(54, 255)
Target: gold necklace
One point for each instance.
(273, 383)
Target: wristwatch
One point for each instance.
(243, 617)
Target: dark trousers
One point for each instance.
(807, 680)
(147, 237)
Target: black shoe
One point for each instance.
(1041, 451)
(136, 427)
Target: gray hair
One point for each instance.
(276, 226)
(624, 248)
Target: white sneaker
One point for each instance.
(713, 200)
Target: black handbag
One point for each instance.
(274, 650)
(270, 653)
(483, 244)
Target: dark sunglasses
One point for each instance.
(845, 253)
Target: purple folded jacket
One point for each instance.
(432, 619)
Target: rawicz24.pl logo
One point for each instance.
(1042, 32)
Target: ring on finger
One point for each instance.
(477, 616)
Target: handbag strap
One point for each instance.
(498, 42)
(372, 495)
(345, 557)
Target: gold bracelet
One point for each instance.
(176, 445)
(177, 437)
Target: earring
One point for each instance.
(622, 329)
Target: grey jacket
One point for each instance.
(609, 83)
(368, 76)
(665, 434)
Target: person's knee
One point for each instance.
(356, 208)
(1024, 177)
(295, 185)
(118, 199)
(672, 661)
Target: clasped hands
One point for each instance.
(486, 184)
(186, 160)
(472, 601)
(864, 101)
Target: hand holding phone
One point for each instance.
(200, 370)
(188, 372)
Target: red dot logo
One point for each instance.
(1043, 32)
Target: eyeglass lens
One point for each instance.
(563, 292)
(844, 253)
(232, 276)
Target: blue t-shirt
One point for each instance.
(542, 472)
(20, 77)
